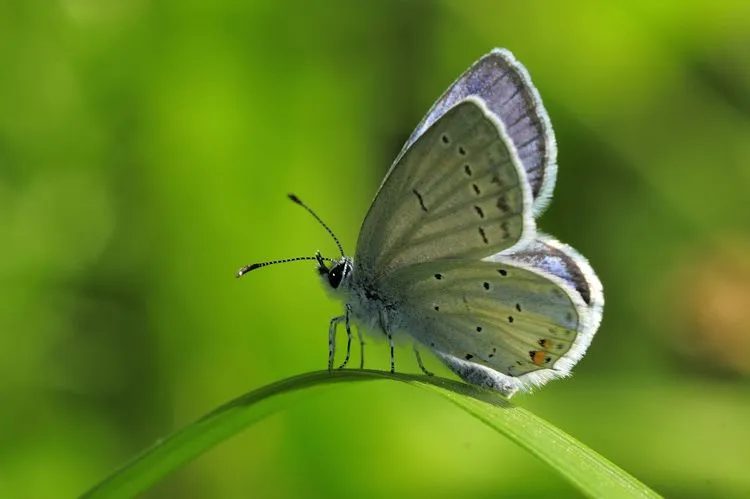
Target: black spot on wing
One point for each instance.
(506, 230)
(484, 235)
(502, 204)
(421, 201)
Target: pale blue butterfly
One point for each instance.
(449, 254)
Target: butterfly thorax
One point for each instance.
(370, 306)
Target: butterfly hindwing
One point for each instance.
(510, 324)
(572, 272)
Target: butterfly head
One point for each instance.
(338, 275)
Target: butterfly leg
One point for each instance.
(359, 335)
(332, 339)
(393, 359)
(389, 335)
(347, 324)
(419, 361)
(361, 348)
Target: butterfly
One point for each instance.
(449, 256)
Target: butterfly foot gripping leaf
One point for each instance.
(449, 253)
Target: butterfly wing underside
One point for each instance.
(505, 86)
(511, 323)
(458, 192)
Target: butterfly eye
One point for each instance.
(335, 275)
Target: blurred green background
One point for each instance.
(146, 149)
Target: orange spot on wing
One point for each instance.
(538, 358)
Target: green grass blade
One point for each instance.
(589, 472)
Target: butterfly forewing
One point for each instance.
(505, 86)
(458, 192)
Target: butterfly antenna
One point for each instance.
(321, 222)
(247, 268)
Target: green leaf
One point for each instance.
(589, 472)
